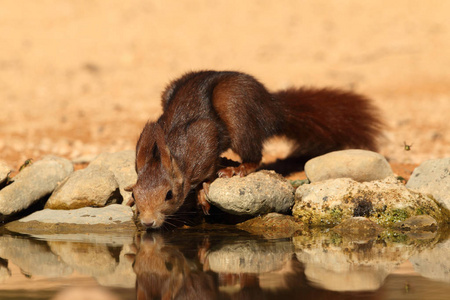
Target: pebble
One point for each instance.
(122, 165)
(94, 186)
(257, 193)
(90, 219)
(359, 165)
(33, 183)
(4, 171)
(433, 177)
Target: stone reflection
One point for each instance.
(248, 267)
(222, 269)
(107, 263)
(5, 272)
(250, 256)
(345, 264)
(224, 263)
(90, 259)
(434, 263)
(32, 257)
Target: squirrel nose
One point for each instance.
(148, 224)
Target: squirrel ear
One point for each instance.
(145, 146)
(167, 160)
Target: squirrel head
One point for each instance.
(160, 189)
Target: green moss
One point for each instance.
(389, 217)
(336, 215)
(419, 211)
(335, 239)
(298, 182)
(394, 237)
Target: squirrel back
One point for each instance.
(207, 112)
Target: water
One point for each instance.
(223, 263)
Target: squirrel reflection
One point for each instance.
(163, 272)
(166, 271)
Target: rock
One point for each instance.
(386, 202)
(112, 217)
(4, 171)
(414, 223)
(258, 193)
(359, 165)
(272, 225)
(93, 186)
(433, 177)
(434, 263)
(122, 164)
(358, 228)
(33, 183)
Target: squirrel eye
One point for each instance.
(169, 266)
(169, 195)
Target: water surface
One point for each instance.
(223, 263)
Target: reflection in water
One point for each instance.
(45, 266)
(224, 263)
(164, 272)
(239, 268)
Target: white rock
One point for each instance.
(33, 183)
(122, 164)
(113, 214)
(359, 165)
(94, 186)
(257, 193)
(4, 171)
(433, 177)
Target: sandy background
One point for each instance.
(82, 77)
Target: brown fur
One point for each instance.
(163, 272)
(207, 112)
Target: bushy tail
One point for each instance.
(324, 120)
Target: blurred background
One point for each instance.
(81, 77)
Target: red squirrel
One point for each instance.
(207, 112)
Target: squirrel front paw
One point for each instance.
(202, 195)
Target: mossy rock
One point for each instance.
(385, 202)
